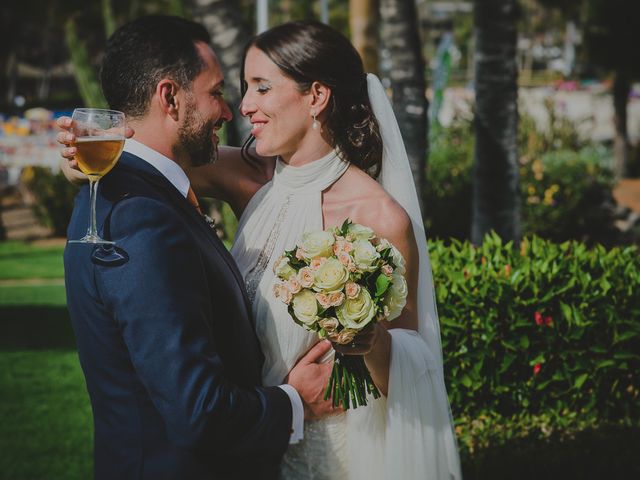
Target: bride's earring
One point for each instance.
(315, 123)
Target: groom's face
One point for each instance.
(205, 111)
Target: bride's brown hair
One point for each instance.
(310, 51)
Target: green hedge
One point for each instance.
(541, 329)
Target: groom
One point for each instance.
(162, 322)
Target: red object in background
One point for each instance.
(538, 318)
(536, 368)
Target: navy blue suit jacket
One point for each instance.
(166, 341)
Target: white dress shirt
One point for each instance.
(174, 173)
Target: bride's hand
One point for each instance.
(365, 342)
(68, 164)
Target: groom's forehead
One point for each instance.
(211, 65)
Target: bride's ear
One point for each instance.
(320, 95)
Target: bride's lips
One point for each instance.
(256, 127)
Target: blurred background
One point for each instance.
(522, 123)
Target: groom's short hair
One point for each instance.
(142, 52)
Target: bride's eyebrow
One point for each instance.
(259, 79)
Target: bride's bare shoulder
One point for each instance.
(367, 203)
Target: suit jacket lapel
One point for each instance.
(134, 165)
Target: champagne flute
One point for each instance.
(99, 143)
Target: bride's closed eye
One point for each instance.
(263, 88)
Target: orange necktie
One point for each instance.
(191, 198)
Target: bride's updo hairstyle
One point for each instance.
(309, 51)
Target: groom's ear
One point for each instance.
(168, 98)
(320, 95)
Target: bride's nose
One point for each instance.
(247, 107)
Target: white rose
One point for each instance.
(305, 307)
(282, 269)
(383, 244)
(396, 296)
(357, 313)
(330, 276)
(398, 260)
(317, 244)
(364, 255)
(360, 232)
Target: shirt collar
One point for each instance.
(167, 167)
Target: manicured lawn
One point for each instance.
(46, 429)
(19, 260)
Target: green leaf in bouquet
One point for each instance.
(345, 227)
(382, 284)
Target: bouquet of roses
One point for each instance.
(335, 283)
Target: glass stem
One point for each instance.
(93, 190)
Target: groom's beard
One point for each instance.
(196, 139)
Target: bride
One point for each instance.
(323, 131)
(327, 148)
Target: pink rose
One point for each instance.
(323, 300)
(306, 277)
(352, 290)
(346, 336)
(283, 293)
(342, 246)
(387, 269)
(317, 262)
(299, 254)
(294, 285)
(336, 299)
(346, 260)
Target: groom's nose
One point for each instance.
(227, 115)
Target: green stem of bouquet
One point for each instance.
(350, 382)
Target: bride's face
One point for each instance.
(280, 114)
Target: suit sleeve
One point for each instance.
(160, 300)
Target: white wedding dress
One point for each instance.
(409, 434)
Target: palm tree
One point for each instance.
(229, 34)
(363, 23)
(399, 35)
(612, 31)
(495, 191)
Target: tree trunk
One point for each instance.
(399, 35)
(229, 35)
(621, 145)
(363, 23)
(496, 198)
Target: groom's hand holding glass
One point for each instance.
(69, 163)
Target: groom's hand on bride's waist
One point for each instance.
(310, 378)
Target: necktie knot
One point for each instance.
(191, 198)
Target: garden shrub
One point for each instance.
(565, 183)
(54, 197)
(543, 328)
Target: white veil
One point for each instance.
(409, 434)
(397, 180)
